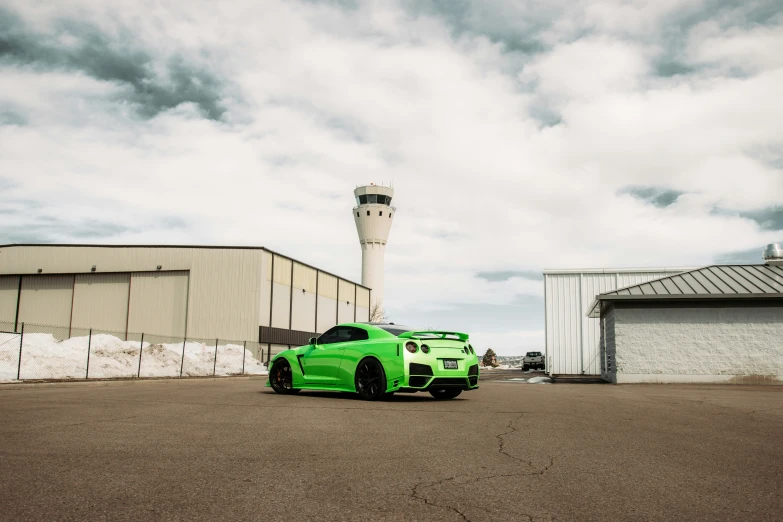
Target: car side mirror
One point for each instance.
(313, 340)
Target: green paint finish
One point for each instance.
(332, 366)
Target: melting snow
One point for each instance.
(44, 357)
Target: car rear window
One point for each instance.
(395, 329)
(534, 354)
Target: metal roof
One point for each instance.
(205, 247)
(715, 281)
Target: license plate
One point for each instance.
(450, 364)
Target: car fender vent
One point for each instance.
(473, 370)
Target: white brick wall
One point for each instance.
(698, 345)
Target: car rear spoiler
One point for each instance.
(436, 333)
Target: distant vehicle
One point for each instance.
(376, 360)
(534, 360)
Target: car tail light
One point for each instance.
(471, 349)
(425, 348)
(411, 347)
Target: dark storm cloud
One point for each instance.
(660, 197)
(33, 221)
(505, 275)
(768, 219)
(114, 59)
(516, 34)
(9, 117)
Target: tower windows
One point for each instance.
(390, 215)
(380, 212)
(368, 212)
(357, 214)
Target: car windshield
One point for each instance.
(395, 329)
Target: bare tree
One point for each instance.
(377, 313)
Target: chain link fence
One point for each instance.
(42, 352)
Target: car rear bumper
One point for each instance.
(422, 377)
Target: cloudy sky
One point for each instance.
(518, 135)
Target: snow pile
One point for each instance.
(44, 357)
(539, 380)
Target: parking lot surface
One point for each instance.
(231, 449)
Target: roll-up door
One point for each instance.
(45, 302)
(9, 292)
(158, 303)
(100, 302)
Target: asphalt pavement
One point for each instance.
(230, 449)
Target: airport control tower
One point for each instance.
(373, 216)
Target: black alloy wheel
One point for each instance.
(445, 393)
(370, 380)
(280, 378)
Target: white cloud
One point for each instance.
(319, 99)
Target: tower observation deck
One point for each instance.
(373, 216)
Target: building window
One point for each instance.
(362, 200)
(380, 212)
(390, 215)
(357, 214)
(372, 198)
(368, 212)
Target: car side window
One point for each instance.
(328, 336)
(359, 335)
(338, 334)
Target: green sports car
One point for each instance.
(376, 360)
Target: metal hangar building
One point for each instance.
(251, 294)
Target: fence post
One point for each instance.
(214, 365)
(21, 340)
(268, 354)
(141, 349)
(244, 352)
(89, 344)
(183, 356)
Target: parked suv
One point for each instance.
(533, 360)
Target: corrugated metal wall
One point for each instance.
(572, 338)
(100, 301)
(197, 292)
(9, 290)
(159, 303)
(46, 300)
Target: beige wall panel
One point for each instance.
(344, 312)
(158, 303)
(100, 302)
(363, 297)
(281, 304)
(282, 270)
(304, 278)
(327, 286)
(46, 300)
(347, 291)
(327, 313)
(362, 314)
(225, 294)
(304, 311)
(265, 289)
(9, 291)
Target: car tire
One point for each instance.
(281, 379)
(525, 367)
(445, 393)
(370, 380)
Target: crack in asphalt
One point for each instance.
(510, 428)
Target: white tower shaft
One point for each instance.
(373, 216)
